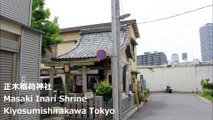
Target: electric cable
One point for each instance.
(165, 18)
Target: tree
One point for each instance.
(40, 20)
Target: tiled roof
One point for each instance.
(92, 40)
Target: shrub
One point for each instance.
(208, 86)
(207, 92)
(104, 89)
(70, 84)
(146, 92)
(205, 84)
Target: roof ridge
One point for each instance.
(100, 29)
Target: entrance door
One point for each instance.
(7, 68)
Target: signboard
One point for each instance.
(101, 54)
(88, 95)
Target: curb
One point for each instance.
(132, 111)
(204, 99)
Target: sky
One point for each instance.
(175, 35)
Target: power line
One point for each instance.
(165, 18)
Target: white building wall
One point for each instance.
(203, 72)
(181, 79)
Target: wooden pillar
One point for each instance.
(84, 78)
(52, 72)
(65, 83)
(107, 75)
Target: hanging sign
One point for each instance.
(101, 54)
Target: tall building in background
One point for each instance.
(175, 58)
(156, 58)
(184, 56)
(206, 42)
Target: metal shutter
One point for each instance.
(6, 68)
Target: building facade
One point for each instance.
(80, 47)
(79, 53)
(206, 42)
(19, 56)
(156, 58)
(184, 56)
(175, 58)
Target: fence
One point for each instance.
(128, 103)
(89, 114)
(45, 105)
(85, 109)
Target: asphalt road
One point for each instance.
(175, 106)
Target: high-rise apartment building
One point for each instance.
(184, 56)
(206, 42)
(156, 58)
(175, 58)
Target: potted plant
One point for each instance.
(145, 94)
(104, 89)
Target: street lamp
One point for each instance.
(124, 16)
(116, 67)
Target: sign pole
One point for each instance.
(115, 57)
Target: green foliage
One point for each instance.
(202, 82)
(70, 84)
(40, 20)
(104, 89)
(146, 92)
(207, 89)
(143, 95)
(207, 92)
(208, 86)
(205, 84)
(151, 69)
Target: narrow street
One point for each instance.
(176, 106)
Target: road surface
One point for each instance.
(175, 106)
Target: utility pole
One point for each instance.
(116, 58)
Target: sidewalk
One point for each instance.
(175, 106)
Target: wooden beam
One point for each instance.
(59, 64)
(89, 61)
(74, 69)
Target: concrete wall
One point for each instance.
(64, 48)
(70, 36)
(181, 79)
(69, 40)
(203, 72)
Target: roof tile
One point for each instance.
(92, 40)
